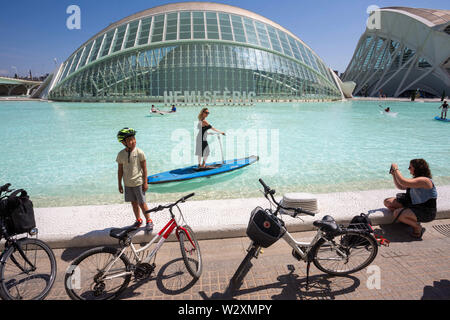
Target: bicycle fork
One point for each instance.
(25, 258)
(258, 250)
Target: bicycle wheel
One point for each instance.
(27, 270)
(243, 268)
(356, 251)
(190, 250)
(87, 277)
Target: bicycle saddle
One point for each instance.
(327, 224)
(123, 233)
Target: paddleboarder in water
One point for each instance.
(202, 147)
(154, 110)
(444, 108)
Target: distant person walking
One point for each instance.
(419, 203)
(444, 108)
(133, 171)
(202, 147)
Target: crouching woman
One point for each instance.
(418, 205)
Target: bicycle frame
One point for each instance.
(161, 238)
(288, 237)
(297, 246)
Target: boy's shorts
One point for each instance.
(134, 194)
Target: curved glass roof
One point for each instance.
(211, 22)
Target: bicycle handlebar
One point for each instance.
(170, 206)
(266, 188)
(187, 197)
(268, 191)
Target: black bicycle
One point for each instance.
(27, 265)
(335, 250)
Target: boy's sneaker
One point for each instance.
(149, 226)
(137, 224)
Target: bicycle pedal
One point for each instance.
(296, 255)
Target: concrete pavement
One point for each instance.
(407, 270)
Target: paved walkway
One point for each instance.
(408, 269)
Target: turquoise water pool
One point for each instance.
(64, 153)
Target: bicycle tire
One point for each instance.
(80, 284)
(20, 283)
(365, 242)
(192, 256)
(244, 268)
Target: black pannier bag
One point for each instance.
(264, 229)
(358, 223)
(19, 213)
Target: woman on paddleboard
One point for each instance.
(202, 147)
(444, 108)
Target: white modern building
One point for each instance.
(403, 50)
(188, 47)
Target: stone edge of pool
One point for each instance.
(87, 226)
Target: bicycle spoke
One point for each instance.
(356, 254)
(28, 273)
(93, 277)
(190, 251)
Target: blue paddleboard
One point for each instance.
(193, 172)
(443, 120)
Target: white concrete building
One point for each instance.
(403, 50)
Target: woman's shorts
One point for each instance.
(134, 194)
(423, 214)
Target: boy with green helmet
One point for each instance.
(133, 171)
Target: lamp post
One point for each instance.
(208, 53)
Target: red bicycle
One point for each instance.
(103, 273)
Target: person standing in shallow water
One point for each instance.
(202, 147)
(444, 108)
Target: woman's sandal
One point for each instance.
(419, 235)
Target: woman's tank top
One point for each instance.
(421, 195)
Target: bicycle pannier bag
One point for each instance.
(21, 214)
(358, 223)
(404, 199)
(264, 229)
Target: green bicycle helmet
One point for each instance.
(125, 133)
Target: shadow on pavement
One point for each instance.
(439, 291)
(172, 279)
(396, 232)
(321, 287)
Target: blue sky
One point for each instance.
(33, 33)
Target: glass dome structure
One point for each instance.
(193, 47)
